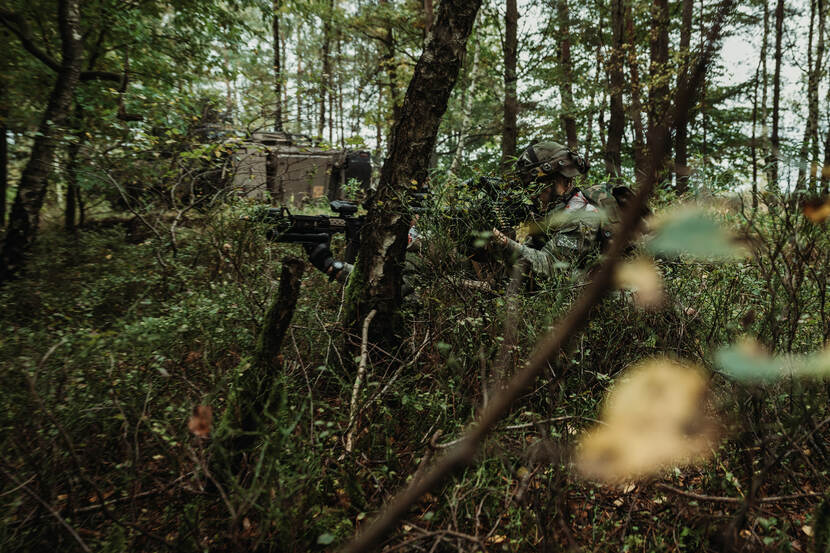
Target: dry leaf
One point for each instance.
(641, 277)
(201, 421)
(655, 418)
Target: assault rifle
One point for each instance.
(312, 230)
(492, 208)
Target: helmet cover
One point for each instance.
(549, 158)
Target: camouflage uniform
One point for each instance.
(568, 243)
(569, 233)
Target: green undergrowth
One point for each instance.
(107, 346)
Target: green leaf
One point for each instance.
(325, 539)
(693, 234)
(747, 362)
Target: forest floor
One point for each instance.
(118, 358)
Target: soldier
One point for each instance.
(548, 169)
(576, 227)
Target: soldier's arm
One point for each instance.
(542, 261)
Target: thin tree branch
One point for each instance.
(18, 26)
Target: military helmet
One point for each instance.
(549, 158)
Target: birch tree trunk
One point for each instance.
(800, 183)
(25, 213)
(636, 109)
(809, 146)
(326, 76)
(822, 22)
(375, 282)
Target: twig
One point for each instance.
(148, 493)
(721, 499)
(431, 447)
(361, 373)
(48, 507)
(554, 419)
(397, 373)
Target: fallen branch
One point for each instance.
(361, 373)
(721, 499)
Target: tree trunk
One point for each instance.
(72, 189)
(4, 150)
(775, 140)
(658, 90)
(825, 170)
(822, 20)
(616, 124)
(592, 104)
(387, 62)
(25, 214)
(636, 109)
(764, 116)
(511, 103)
(325, 78)
(681, 157)
(299, 83)
(341, 125)
(566, 75)
(469, 95)
(429, 15)
(809, 146)
(276, 6)
(754, 141)
(812, 86)
(255, 391)
(375, 282)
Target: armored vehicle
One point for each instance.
(290, 169)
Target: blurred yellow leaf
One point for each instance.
(654, 418)
(644, 280)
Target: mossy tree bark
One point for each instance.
(376, 280)
(256, 388)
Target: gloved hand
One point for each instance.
(320, 255)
